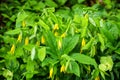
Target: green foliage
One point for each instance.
(60, 39)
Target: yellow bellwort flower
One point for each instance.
(42, 40)
(62, 69)
(59, 44)
(56, 33)
(26, 41)
(63, 35)
(97, 78)
(51, 73)
(19, 38)
(38, 43)
(55, 27)
(83, 42)
(23, 24)
(12, 49)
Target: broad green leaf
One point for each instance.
(84, 25)
(13, 32)
(102, 74)
(92, 21)
(93, 50)
(51, 42)
(77, 18)
(101, 39)
(53, 17)
(43, 24)
(69, 43)
(73, 67)
(84, 59)
(28, 47)
(51, 3)
(21, 16)
(33, 53)
(41, 53)
(118, 51)
(89, 44)
(61, 2)
(48, 61)
(107, 34)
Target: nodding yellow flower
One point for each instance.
(63, 35)
(59, 44)
(42, 40)
(97, 78)
(26, 41)
(12, 49)
(23, 24)
(55, 27)
(51, 73)
(62, 69)
(19, 38)
(38, 43)
(83, 42)
(56, 33)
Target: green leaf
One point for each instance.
(41, 53)
(73, 67)
(88, 45)
(28, 47)
(84, 25)
(101, 39)
(21, 16)
(51, 3)
(92, 21)
(118, 51)
(53, 17)
(33, 53)
(51, 41)
(43, 24)
(84, 59)
(13, 32)
(107, 34)
(69, 43)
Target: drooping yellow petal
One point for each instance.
(56, 33)
(19, 38)
(26, 41)
(62, 69)
(51, 73)
(42, 40)
(63, 35)
(97, 78)
(23, 24)
(55, 27)
(59, 44)
(83, 42)
(38, 43)
(12, 49)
